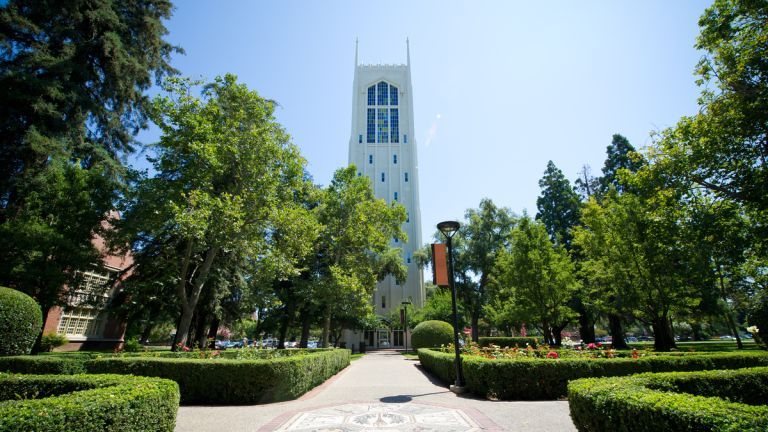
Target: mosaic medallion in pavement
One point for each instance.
(382, 417)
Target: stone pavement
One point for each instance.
(381, 391)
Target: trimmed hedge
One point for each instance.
(62, 365)
(547, 379)
(233, 382)
(723, 400)
(432, 334)
(75, 403)
(20, 322)
(508, 342)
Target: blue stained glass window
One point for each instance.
(392, 95)
(394, 159)
(406, 177)
(371, 138)
(370, 159)
(382, 177)
(372, 95)
(383, 93)
(394, 121)
(382, 125)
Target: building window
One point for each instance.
(392, 95)
(370, 159)
(405, 139)
(371, 131)
(359, 174)
(406, 177)
(396, 241)
(394, 159)
(382, 91)
(382, 177)
(395, 196)
(360, 139)
(80, 321)
(382, 125)
(395, 123)
(409, 260)
(408, 217)
(383, 302)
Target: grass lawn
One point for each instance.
(412, 355)
(357, 356)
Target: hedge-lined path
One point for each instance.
(382, 390)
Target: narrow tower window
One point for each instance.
(370, 159)
(394, 121)
(382, 177)
(371, 130)
(394, 159)
(406, 177)
(392, 95)
(383, 302)
(360, 139)
(408, 217)
(372, 95)
(405, 139)
(395, 196)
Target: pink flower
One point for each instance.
(591, 346)
(552, 355)
(186, 349)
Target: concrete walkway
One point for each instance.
(382, 390)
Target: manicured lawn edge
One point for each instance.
(673, 401)
(547, 379)
(77, 403)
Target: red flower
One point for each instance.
(552, 355)
(599, 344)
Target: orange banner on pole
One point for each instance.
(439, 265)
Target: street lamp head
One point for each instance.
(448, 228)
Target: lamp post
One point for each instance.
(405, 324)
(449, 228)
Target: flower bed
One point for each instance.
(511, 342)
(206, 380)
(723, 400)
(533, 378)
(87, 403)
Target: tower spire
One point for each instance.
(355, 52)
(408, 52)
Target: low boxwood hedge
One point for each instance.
(511, 342)
(68, 365)
(76, 403)
(722, 400)
(547, 379)
(232, 382)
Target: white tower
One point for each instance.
(382, 146)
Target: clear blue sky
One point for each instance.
(504, 86)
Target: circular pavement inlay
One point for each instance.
(382, 416)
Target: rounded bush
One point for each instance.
(432, 334)
(20, 322)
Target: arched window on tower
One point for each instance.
(383, 118)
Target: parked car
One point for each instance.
(645, 338)
(631, 339)
(312, 344)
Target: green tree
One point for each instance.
(226, 176)
(354, 249)
(558, 206)
(538, 278)
(620, 155)
(484, 233)
(72, 81)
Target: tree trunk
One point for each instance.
(37, 347)
(557, 334)
(734, 330)
(306, 321)
(200, 334)
(326, 326)
(662, 334)
(475, 320)
(617, 332)
(697, 334)
(586, 325)
(213, 331)
(146, 332)
(189, 303)
(285, 322)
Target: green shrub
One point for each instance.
(535, 379)
(132, 345)
(43, 364)
(87, 403)
(722, 400)
(432, 334)
(509, 342)
(232, 382)
(20, 322)
(52, 340)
